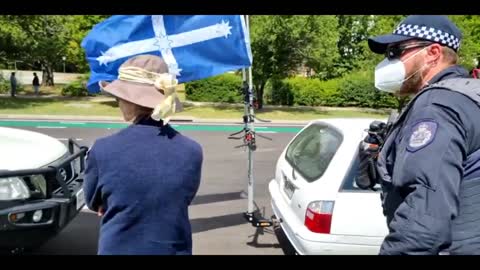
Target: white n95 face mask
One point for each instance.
(390, 74)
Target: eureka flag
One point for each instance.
(193, 46)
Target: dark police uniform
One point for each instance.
(429, 165)
(430, 173)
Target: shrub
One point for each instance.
(5, 85)
(358, 90)
(77, 88)
(222, 88)
(303, 91)
(278, 92)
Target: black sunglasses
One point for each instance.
(395, 51)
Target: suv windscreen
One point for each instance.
(312, 150)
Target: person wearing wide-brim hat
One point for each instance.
(142, 179)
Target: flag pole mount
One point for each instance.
(252, 215)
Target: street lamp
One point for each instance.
(64, 58)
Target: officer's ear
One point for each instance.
(434, 53)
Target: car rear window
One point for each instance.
(313, 149)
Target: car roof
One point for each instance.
(346, 125)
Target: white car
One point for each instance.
(41, 187)
(314, 195)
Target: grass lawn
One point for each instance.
(56, 106)
(275, 114)
(57, 90)
(44, 90)
(107, 107)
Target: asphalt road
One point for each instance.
(216, 213)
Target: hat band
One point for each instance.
(428, 33)
(161, 81)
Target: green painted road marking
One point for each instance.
(221, 128)
(61, 124)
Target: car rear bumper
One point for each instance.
(56, 214)
(309, 243)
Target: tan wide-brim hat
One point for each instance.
(145, 95)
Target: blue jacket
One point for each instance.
(430, 170)
(145, 177)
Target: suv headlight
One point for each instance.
(13, 188)
(39, 184)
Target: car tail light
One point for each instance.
(318, 217)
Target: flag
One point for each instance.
(193, 46)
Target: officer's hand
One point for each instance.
(100, 211)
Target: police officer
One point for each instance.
(429, 164)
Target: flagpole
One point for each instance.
(252, 214)
(250, 127)
(256, 220)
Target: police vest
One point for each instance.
(466, 226)
(467, 87)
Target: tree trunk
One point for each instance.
(47, 75)
(260, 89)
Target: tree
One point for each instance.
(321, 52)
(470, 47)
(12, 41)
(281, 44)
(38, 39)
(353, 32)
(78, 28)
(379, 25)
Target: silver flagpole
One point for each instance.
(249, 142)
(250, 126)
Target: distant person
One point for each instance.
(35, 83)
(13, 84)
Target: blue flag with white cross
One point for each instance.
(193, 46)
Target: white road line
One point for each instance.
(48, 127)
(266, 131)
(73, 123)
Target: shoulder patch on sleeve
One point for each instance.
(422, 134)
